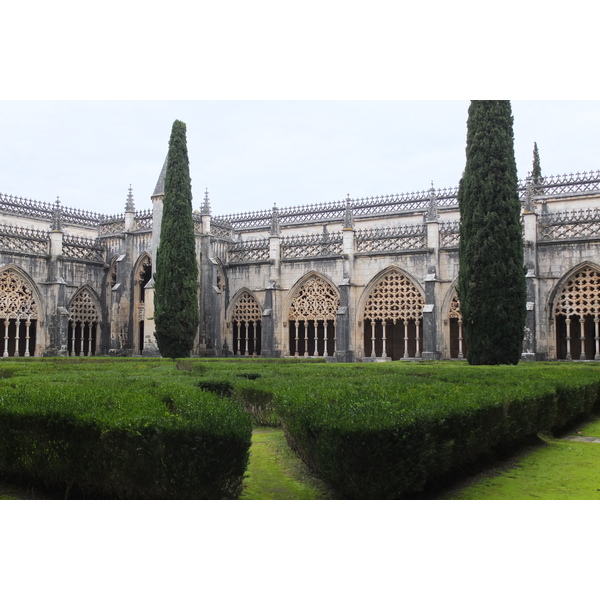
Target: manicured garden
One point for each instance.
(160, 428)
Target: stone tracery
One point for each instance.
(84, 319)
(579, 300)
(18, 314)
(246, 319)
(392, 318)
(312, 318)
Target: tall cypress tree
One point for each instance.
(176, 273)
(491, 284)
(536, 171)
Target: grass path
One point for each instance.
(276, 473)
(556, 470)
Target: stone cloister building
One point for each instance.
(352, 280)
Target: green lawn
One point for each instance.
(276, 473)
(557, 470)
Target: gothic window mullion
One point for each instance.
(582, 336)
(6, 325)
(305, 338)
(568, 337)
(597, 336)
(27, 336)
(17, 326)
(373, 355)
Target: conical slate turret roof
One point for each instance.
(159, 190)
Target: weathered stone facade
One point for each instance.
(361, 279)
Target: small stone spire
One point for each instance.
(159, 190)
(129, 204)
(348, 216)
(275, 227)
(57, 216)
(205, 208)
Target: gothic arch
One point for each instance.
(453, 323)
(142, 275)
(20, 312)
(311, 310)
(575, 308)
(245, 318)
(392, 315)
(85, 318)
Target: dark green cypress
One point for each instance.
(536, 171)
(176, 274)
(491, 284)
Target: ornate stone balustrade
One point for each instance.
(449, 234)
(304, 246)
(142, 220)
(82, 248)
(564, 185)
(571, 224)
(221, 229)
(113, 225)
(391, 239)
(24, 240)
(249, 251)
(44, 210)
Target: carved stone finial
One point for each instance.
(205, 209)
(56, 216)
(348, 216)
(529, 194)
(129, 204)
(432, 209)
(275, 227)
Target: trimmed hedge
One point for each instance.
(398, 429)
(141, 437)
(152, 428)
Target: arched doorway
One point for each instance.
(458, 344)
(577, 316)
(393, 318)
(142, 276)
(18, 315)
(246, 323)
(312, 318)
(84, 321)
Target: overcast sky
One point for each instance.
(253, 154)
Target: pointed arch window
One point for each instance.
(84, 321)
(18, 315)
(246, 319)
(312, 319)
(393, 318)
(577, 316)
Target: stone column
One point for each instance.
(343, 352)
(430, 317)
(431, 314)
(268, 341)
(530, 258)
(150, 345)
(57, 323)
